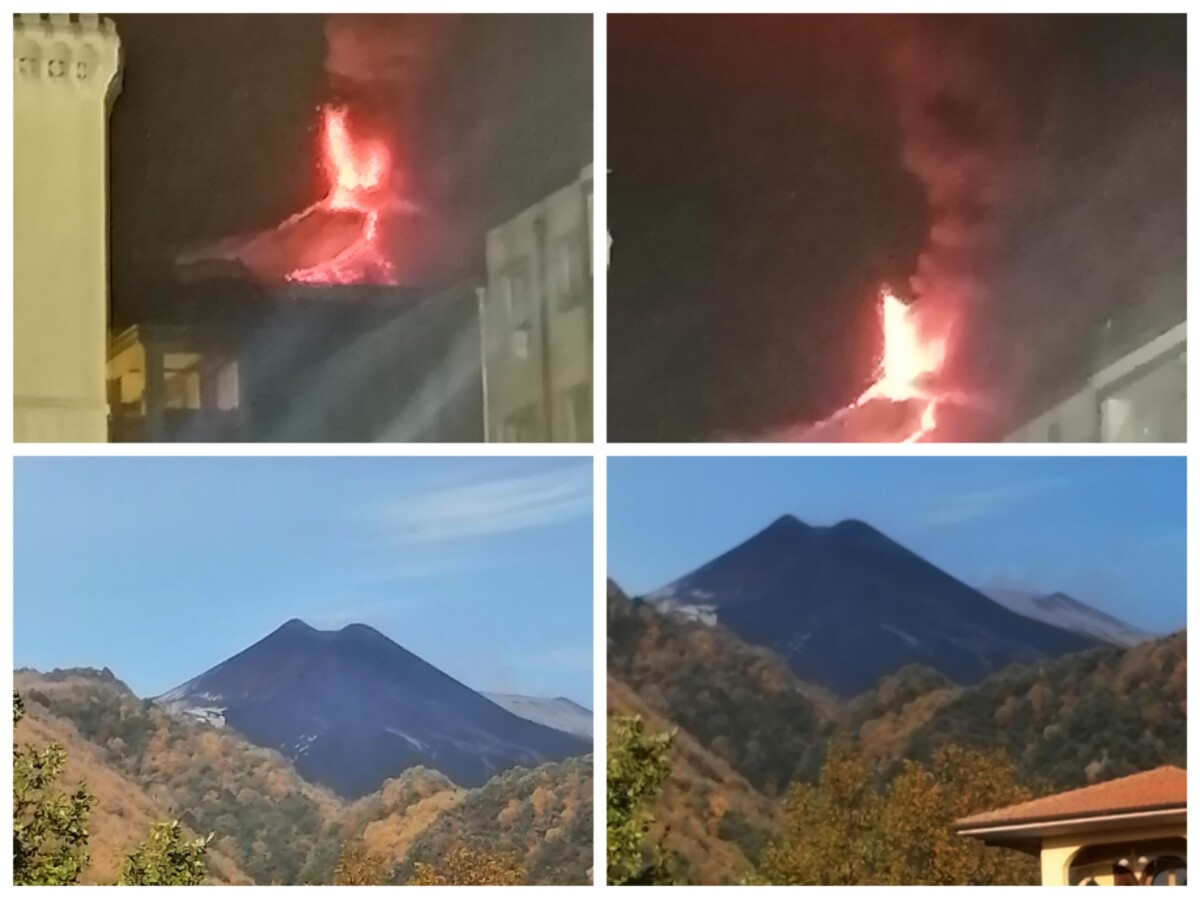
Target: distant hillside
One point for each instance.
(267, 818)
(1066, 722)
(351, 708)
(272, 826)
(846, 605)
(542, 816)
(1069, 613)
(124, 811)
(714, 822)
(741, 702)
(745, 726)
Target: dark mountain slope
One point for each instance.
(845, 605)
(352, 708)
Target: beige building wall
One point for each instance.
(66, 73)
(537, 320)
(1058, 852)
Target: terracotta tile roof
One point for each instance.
(1161, 788)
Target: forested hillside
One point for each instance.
(269, 825)
(741, 702)
(745, 730)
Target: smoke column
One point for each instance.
(970, 97)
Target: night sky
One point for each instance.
(214, 134)
(758, 196)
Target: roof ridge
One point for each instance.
(1104, 795)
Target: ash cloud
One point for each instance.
(971, 105)
(1051, 151)
(385, 54)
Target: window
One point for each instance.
(570, 272)
(517, 295)
(579, 413)
(1150, 408)
(1167, 871)
(181, 380)
(228, 390)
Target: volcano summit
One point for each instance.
(351, 708)
(846, 605)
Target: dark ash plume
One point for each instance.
(971, 95)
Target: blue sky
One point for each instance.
(1110, 531)
(159, 568)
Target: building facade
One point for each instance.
(536, 316)
(1137, 396)
(1131, 831)
(301, 363)
(67, 73)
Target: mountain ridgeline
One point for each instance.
(351, 708)
(846, 605)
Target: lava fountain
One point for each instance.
(901, 404)
(358, 172)
(908, 366)
(338, 239)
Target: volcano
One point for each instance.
(351, 708)
(846, 605)
(337, 239)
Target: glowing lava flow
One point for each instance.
(358, 172)
(910, 360)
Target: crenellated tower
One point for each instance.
(66, 75)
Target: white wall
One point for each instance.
(65, 75)
(1140, 397)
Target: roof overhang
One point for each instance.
(1027, 835)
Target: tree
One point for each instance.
(638, 767)
(847, 830)
(465, 867)
(166, 858)
(830, 833)
(919, 843)
(49, 828)
(358, 866)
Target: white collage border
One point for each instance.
(600, 450)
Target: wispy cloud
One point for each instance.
(975, 503)
(493, 507)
